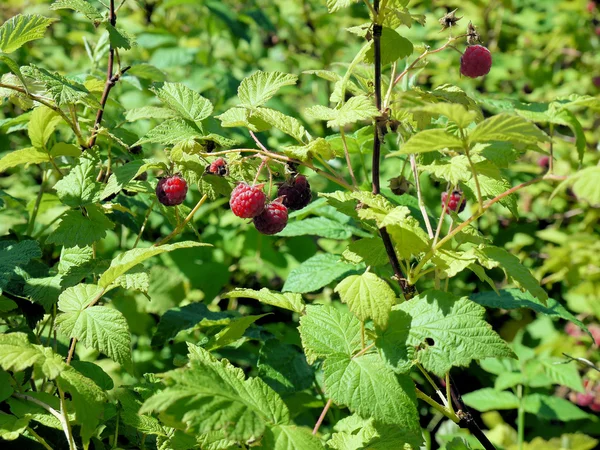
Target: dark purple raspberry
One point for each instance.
(247, 201)
(456, 202)
(273, 219)
(218, 167)
(476, 61)
(295, 192)
(172, 190)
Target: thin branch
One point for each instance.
(376, 182)
(111, 79)
(322, 416)
(347, 156)
(71, 350)
(413, 165)
(182, 225)
(139, 236)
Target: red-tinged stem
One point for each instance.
(322, 416)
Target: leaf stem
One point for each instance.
(322, 416)
(139, 236)
(520, 418)
(413, 165)
(475, 178)
(71, 350)
(435, 405)
(347, 156)
(433, 384)
(182, 225)
(36, 207)
(66, 423)
(38, 438)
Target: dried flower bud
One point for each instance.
(473, 37)
(449, 20)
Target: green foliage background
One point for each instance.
(195, 304)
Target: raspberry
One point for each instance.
(247, 201)
(544, 162)
(273, 219)
(218, 167)
(595, 407)
(172, 190)
(476, 61)
(456, 202)
(296, 193)
(585, 399)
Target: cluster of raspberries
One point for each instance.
(250, 202)
(247, 202)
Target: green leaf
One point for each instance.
(24, 156)
(88, 399)
(455, 112)
(20, 29)
(429, 141)
(287, 300)
(406, 232)
(62, 90)
(507, 128)
(75, 229)
(358, 108)
(393, 47)
(553, 408)
(326, 331)
(572, 441)
(95, 373)
(289, 437)
(564, 374)
(149, 112)
(99, 327)
(64, 149)
(184, 101)
(317, 272)
(368, 386)
(233, 331)
(42, 123)
(129, 414)
(81, 6)
(453, 170)
(119, 38)
(368, 297)
(15, 254)
(289, 125)
(14, 67)
(284, 367)
(183, 318)
(585, 185)
(131, 258)
(317, 226)
(260, 87)
(210, 395)
(240, 117)
(371, 251)
(440, 331)
(171, 132)
(490, 257)
(6, 389)
(489, 399)
(514, 298)
(336, 5)
(79, 187)
(12, 427)
(16, 353)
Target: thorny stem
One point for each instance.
(376, 182)
(182, 225)
(111, 79)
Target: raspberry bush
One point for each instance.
(299, 225)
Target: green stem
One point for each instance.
(182, 225)
(521, 418)
(475, 178)
(347, 156)
(139, 236)
(66, 423)
(38, 438)
(435, 405)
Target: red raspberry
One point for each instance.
(591, 6)
(595, 407)
(456, 202)
(476, 61)
(296, 193)
(172, 190)
(273, 219)
(544, 162)
(247, 201)
(585, 399)
(218, 167)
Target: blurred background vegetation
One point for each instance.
(542, 50)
